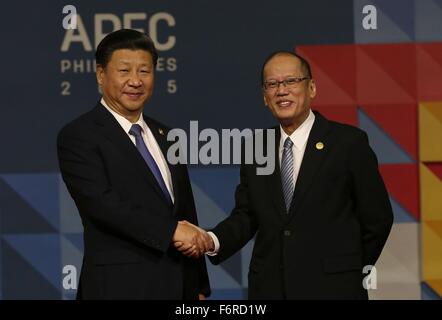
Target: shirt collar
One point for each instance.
(300, 135)
(124, 123)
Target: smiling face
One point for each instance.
(289, 104)
(127, 82)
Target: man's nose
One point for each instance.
(282, 89)
(135, 80)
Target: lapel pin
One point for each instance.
(161, 131)
(319, 146)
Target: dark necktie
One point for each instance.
(135, 130)
(287, 172)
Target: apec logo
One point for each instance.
(76, 31)
(158, 25)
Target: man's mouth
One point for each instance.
(284, 103)
(133, 95)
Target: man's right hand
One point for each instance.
(191, 240)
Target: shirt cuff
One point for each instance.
(215, 242)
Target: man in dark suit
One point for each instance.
(322, 215)
(131, 201)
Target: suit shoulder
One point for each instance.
(347, 132)
(77, 126)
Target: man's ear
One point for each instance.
(265, 98)
(100, 75)
(312, 88)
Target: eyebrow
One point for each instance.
(128, 62)
(289, 76)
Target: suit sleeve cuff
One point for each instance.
(216, 243)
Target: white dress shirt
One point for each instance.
(150, 142)
(299, 138)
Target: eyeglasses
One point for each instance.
(291, 82)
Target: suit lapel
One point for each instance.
(115, 133)
(274, 183)
(311, 162)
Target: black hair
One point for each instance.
(124, 39)
(305, 66)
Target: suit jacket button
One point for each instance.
(287, 233)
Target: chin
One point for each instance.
(134, 105)
(284, 117)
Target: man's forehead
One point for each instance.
(284, 57)
(128, 55)
(285, 62)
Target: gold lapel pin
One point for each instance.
(319, 146)
(161, 131)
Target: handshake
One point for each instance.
(191, 240)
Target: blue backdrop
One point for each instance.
(210, 59)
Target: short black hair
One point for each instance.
(305, 66)
(124, 39)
